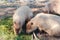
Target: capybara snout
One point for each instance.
(16, 28)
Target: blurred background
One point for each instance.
(7, 7)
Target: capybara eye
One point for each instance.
(31, 23)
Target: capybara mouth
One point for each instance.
(17, 31)
(43, 32)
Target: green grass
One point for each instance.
(6, 31)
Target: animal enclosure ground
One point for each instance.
(6, 31)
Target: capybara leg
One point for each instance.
(50, 32)
(15, 31)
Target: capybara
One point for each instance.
(47, 22)
(22, 14)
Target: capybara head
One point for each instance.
(17, 28)
(31, 26)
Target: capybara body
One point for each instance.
(47, 22)
(22, 14)
(54, 6)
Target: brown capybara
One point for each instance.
(48, 22)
